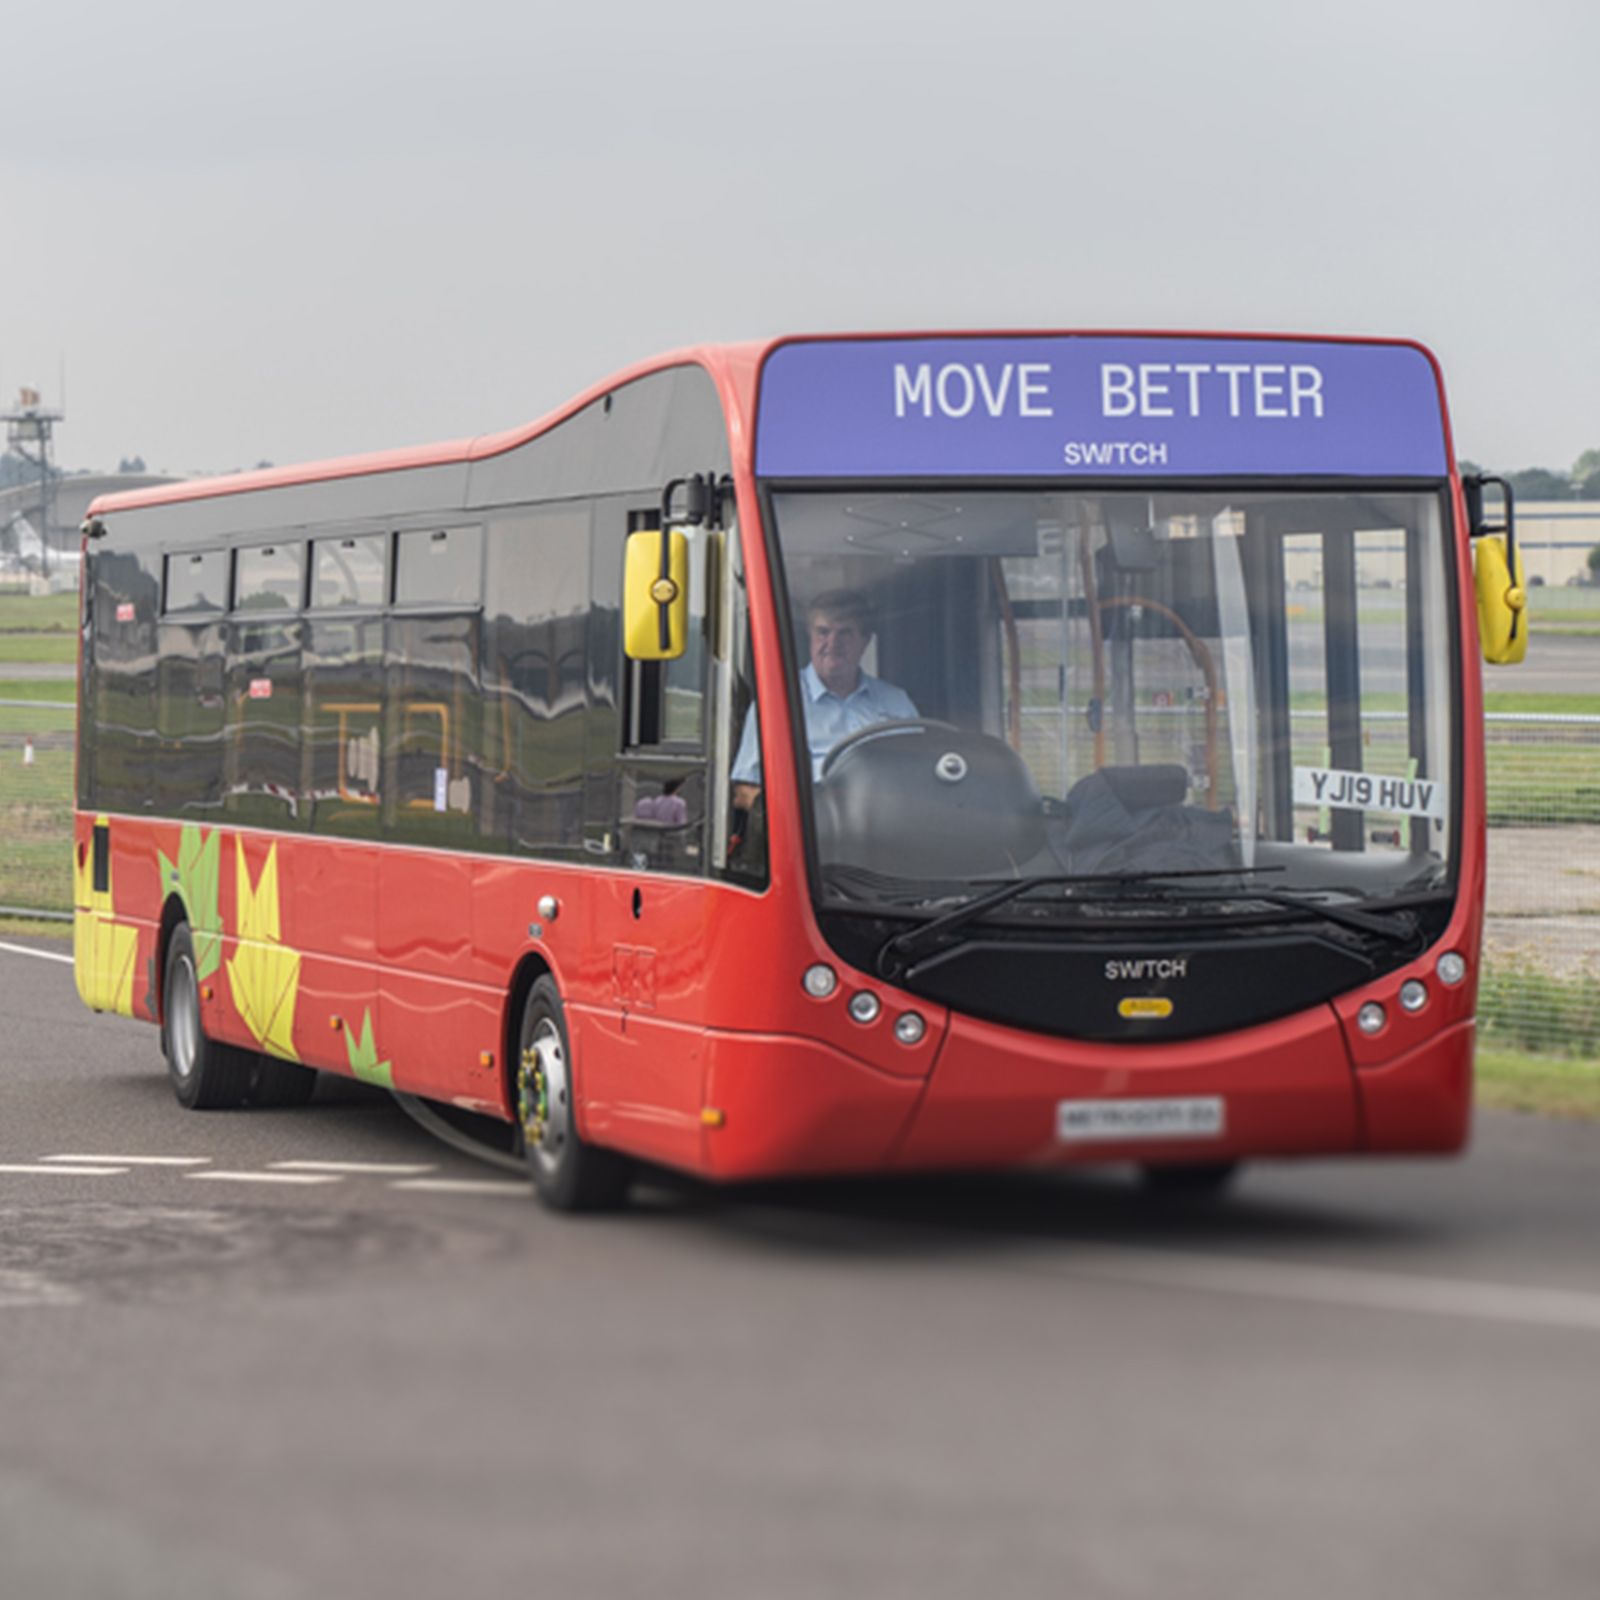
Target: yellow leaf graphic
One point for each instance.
(104, 952)
(263, 974)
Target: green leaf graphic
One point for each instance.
(363, 1051)
(195, 877)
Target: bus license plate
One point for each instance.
(1192, 1117)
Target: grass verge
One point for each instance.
(58, 692)
(57, 648)
(46, 613)
(57, 933)
(1525, 1010)
(1563, 705)
(1549, 1086)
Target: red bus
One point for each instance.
(826, 755)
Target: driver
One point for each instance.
(839, 698)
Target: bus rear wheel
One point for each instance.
(282, 1083)
(206, 1075)
(568, 1174)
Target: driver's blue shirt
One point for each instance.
(829, 718)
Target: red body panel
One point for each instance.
(693, 1042)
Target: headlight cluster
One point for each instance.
(821, 982)
(1452, 970)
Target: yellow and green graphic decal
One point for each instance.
(194, 876)
(104, 951)
(363, 1051)
(263, 973)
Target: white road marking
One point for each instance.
(393, 1169)
(140, 1161)
(43, 955)
(263, 1177)
(463, 1186)
(19, 1287)
(1529, 1304)
(37, 1168)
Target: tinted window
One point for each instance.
(349, 572)
(261, 746)
(269, 577)
(439, 566)
(121, 700)
(344, 724)
(435, 729)
(197, 582)
(190, 707)
(534, 675)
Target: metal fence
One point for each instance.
(36, 743)
(1541, 985)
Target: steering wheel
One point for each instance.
(874, 730)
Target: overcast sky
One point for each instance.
(300, 230)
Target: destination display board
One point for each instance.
(1091, 405)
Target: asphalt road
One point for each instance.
(1347, 1380)
(1555, 664)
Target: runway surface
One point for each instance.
(312, 1352)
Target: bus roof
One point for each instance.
(736, 368)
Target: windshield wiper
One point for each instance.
(863, 884)
(905, 947)
(1389, 928)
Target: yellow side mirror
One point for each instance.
(655, 596)
(1502, 602)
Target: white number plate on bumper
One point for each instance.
(1193, 1117)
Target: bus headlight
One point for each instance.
(819, 981)
(864, 1007)
(1452, 967)
(909, 1028)
(1370, 1018)
(1413, 995)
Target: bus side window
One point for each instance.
(127, 599)
(261, 737)
(434, 705)
(535, 669)
(190, 702)
(344, 684)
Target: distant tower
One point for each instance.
(29, 424)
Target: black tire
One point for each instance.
(206, 1076)
(282, 1083)
(1200, 1179)
(567, 1173)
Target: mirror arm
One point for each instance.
(702, 499)
(664, 607)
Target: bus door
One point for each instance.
(648, 817)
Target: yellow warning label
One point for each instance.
(1148, 1005)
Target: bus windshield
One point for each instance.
(997, 684)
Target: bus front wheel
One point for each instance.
(206, 1075)
(568, 1174)
(1197, 1178)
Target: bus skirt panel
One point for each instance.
(1000, 1097)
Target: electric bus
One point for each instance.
(828, 755)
